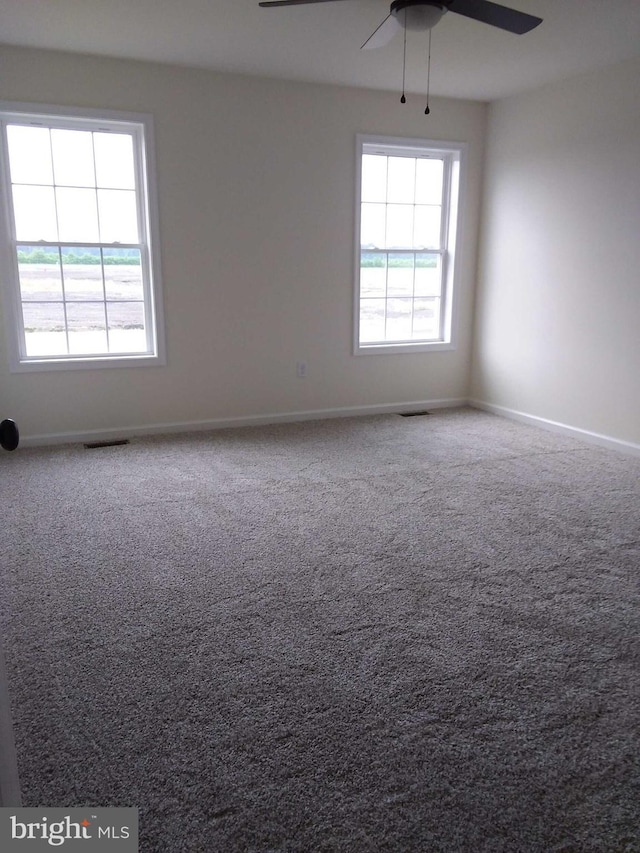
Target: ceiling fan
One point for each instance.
(425, 14)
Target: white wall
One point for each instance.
(256, 185)
(558, 303)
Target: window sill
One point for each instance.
(392, 349)
(42, 365)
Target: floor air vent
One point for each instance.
(412, 414)
(94, 445)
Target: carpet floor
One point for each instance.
(369, 634)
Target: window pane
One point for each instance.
(372, 314)
(399, 226)
(114, 160)
(427, 226)
(39, 270)
(428, 279)
(426, 319)
(401, 179)
(373, 274)
(400, 275)
(73, 158)
(399, 313)
(82, 273)
(118, 216)
(123, 274)
(128, 341)
(35, 213)
(372, 226)
(429, 181)
(126, 327)
(43, 317)
(374, 178)
(87, 327)
(77, 215)
(29, 155)
(44, 328)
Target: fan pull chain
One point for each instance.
(403, 100)
(426, 109)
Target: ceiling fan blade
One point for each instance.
(383, 34)
(496, 15)
(268, 3)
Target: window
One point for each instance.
(78, 223)
(407, 223)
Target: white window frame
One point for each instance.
(140, 126)
(454, 155)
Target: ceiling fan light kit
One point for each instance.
(416, 14)
(423, 15)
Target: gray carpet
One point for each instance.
(373, 634)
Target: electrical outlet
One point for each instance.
(301, 369)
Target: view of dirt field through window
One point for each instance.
(400, 221)
(82, 307)
(82, 261)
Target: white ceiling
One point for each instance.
(321, 42)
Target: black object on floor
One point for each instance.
(9, 435)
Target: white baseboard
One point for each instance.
(554, 426)
(116, 433)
